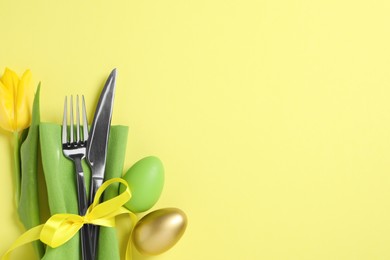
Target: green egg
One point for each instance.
(146, 181)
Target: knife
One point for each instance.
(97, 145)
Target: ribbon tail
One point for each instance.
(27, 237)
(129, 252)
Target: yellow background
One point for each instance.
(272, 117)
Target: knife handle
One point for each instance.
(94, 230)
(95, 185)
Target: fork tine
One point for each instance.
(77, 119)
(64, 123)
(71, 119)
(85, 122)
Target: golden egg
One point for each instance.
(159, 230)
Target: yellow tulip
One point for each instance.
(15, 100)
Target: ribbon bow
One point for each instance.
(59, 228)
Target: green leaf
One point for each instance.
(28, 208)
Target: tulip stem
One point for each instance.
(16, 174)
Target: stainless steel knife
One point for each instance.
(97, 145)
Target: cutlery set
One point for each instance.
(152, 234)
(91, 145)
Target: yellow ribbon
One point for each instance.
(59, 228)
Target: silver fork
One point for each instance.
(75, 149)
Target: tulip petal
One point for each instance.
(6, 108)
(23, 101)
(10, 80)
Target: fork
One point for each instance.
(75, 149)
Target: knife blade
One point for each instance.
(96, 153)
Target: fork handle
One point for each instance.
(81, 193)
(82, 207)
